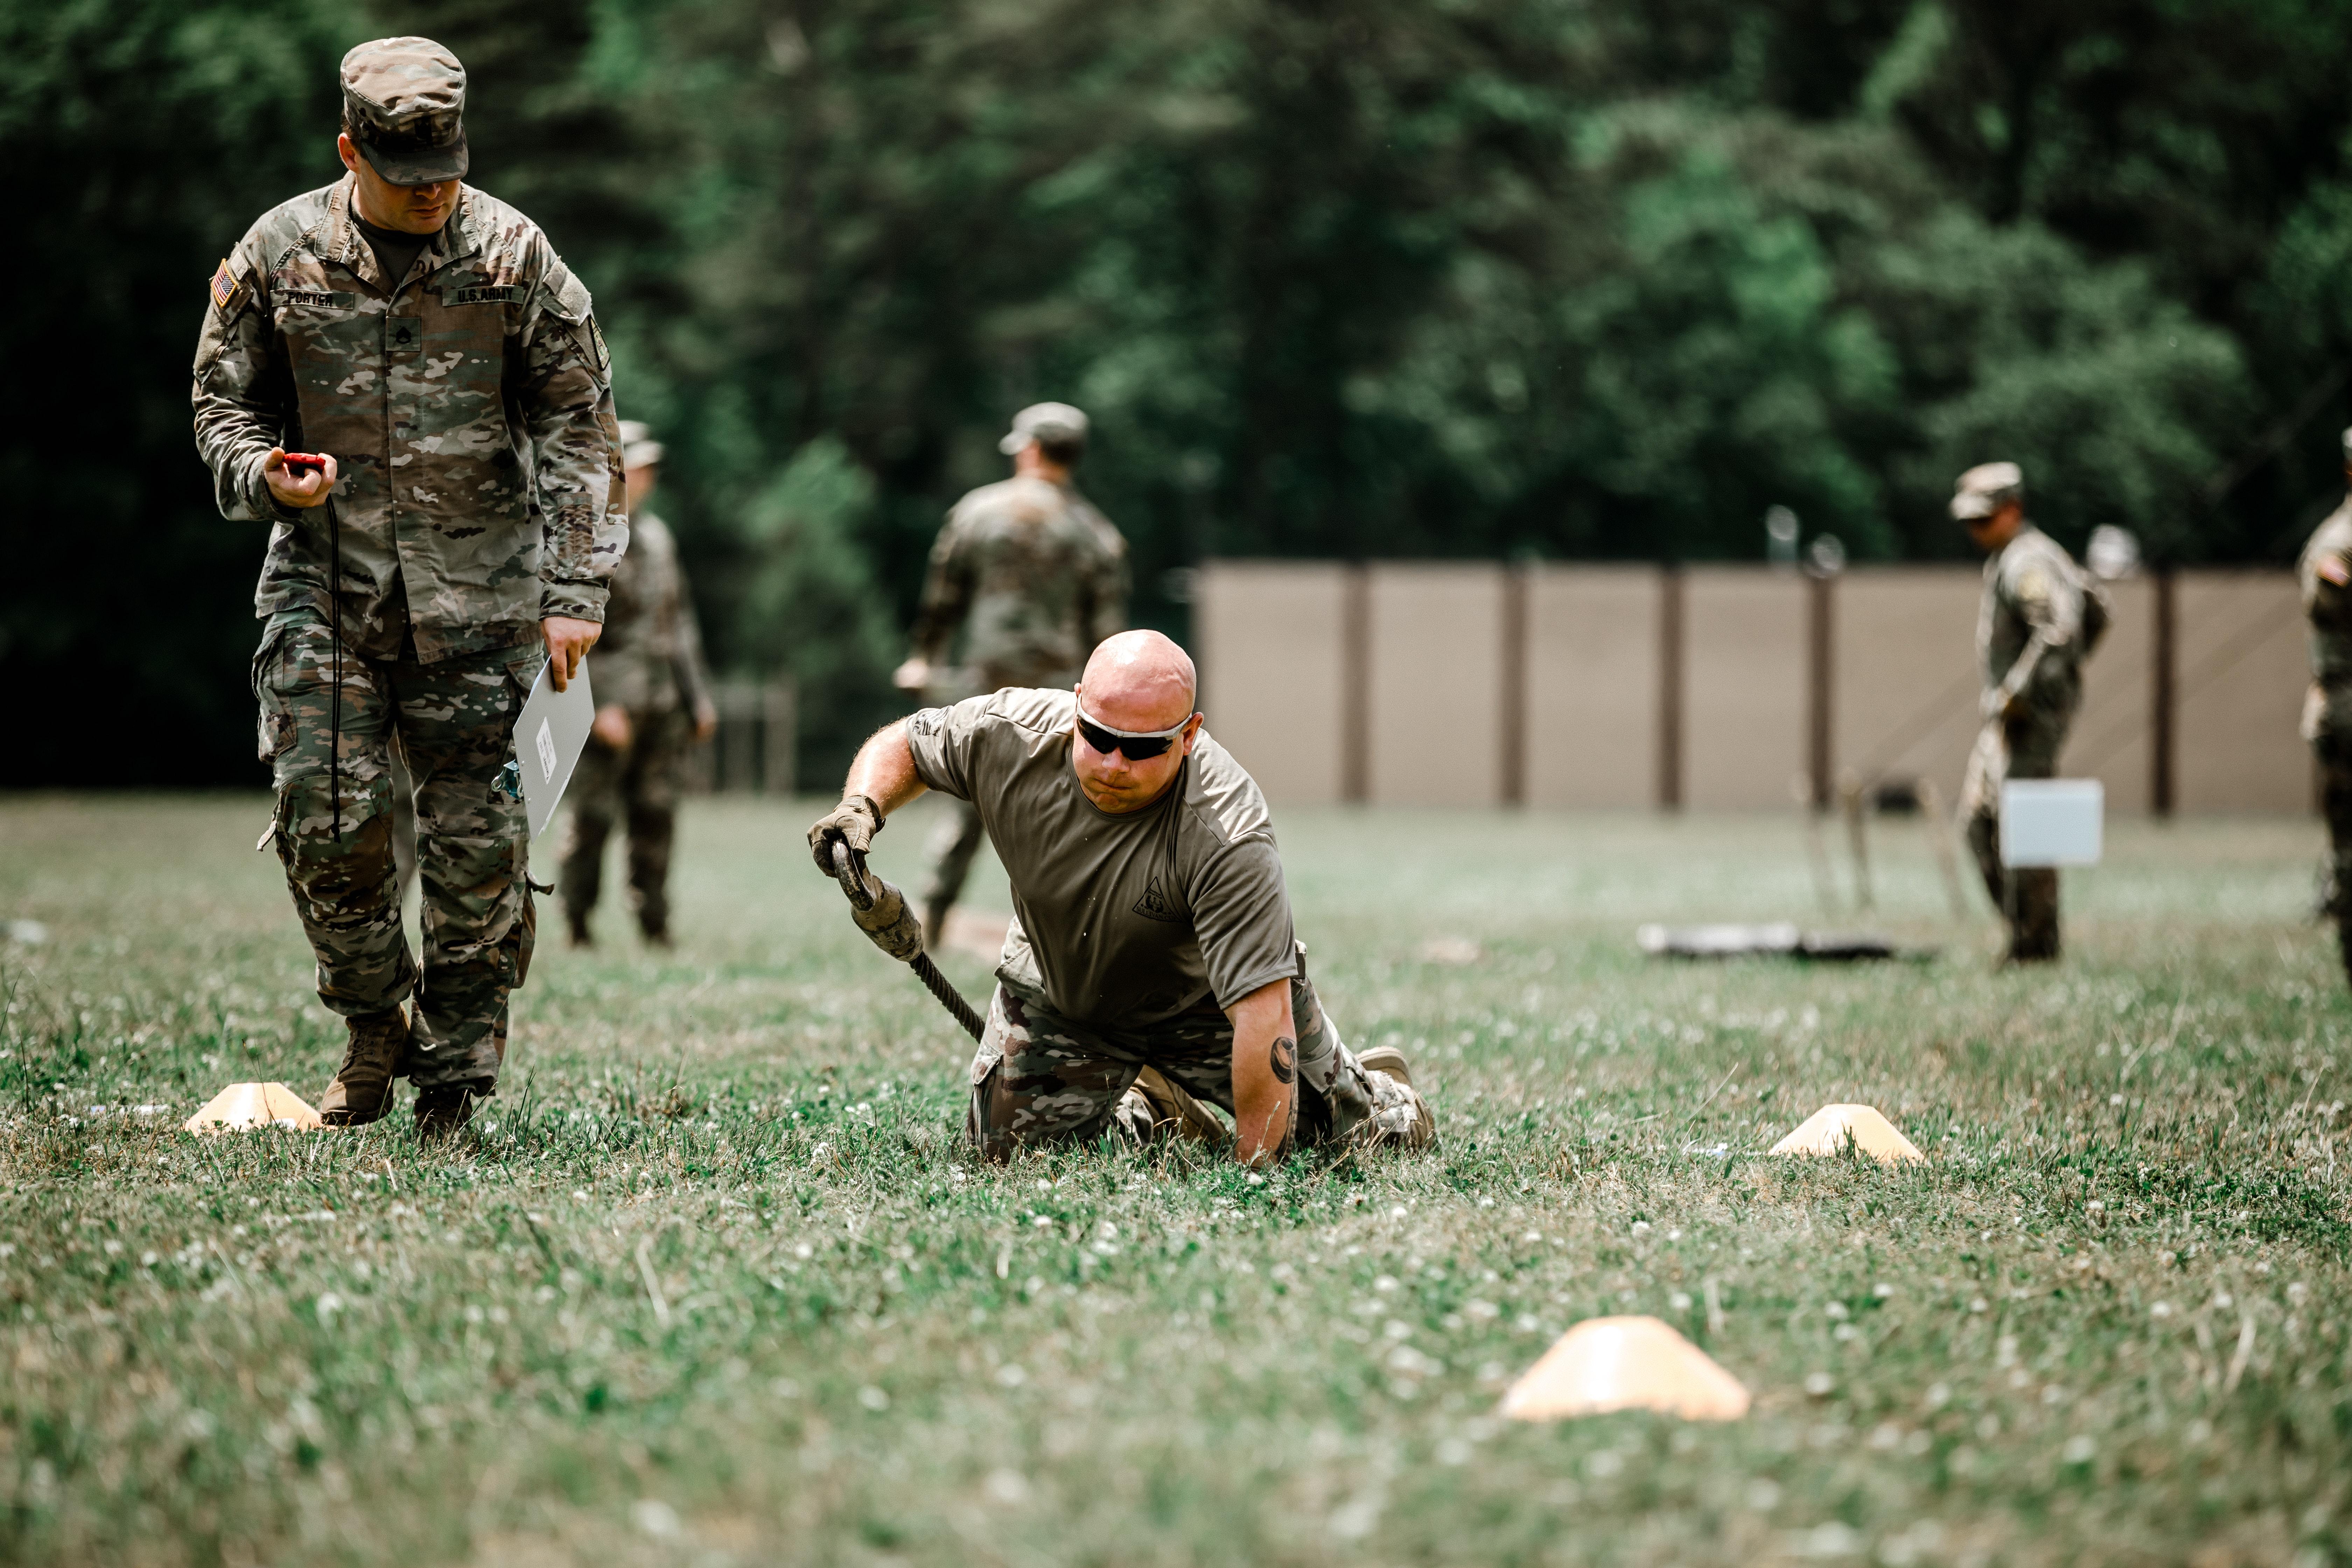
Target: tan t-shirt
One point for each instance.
(1118, 919)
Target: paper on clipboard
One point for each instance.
(548, 738)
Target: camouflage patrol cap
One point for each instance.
(1986, 489)
(638, 447)
(405, 101)
(1055, 422)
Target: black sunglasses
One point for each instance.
(1139, 745)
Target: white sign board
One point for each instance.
(2052, 822)
(547, 737)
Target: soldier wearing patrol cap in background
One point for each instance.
(426, 340)
(652, 701)
(1033, 577)
(2324, 572)
(2039, 617)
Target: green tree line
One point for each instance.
(1554, 278)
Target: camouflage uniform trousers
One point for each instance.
(638, 787)
(2025, 747)
(1039, 1078)
(454, 719)
(2332, 753)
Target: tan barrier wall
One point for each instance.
(1397, 683)
(1592, 662)
(1435, 674)
(2245, 665)
(2112, 736)
(1744, 673)
(1269, 636)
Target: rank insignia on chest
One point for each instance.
(228, 293)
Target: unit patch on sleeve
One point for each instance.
(228, 291)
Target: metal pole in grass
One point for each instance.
(896, 932)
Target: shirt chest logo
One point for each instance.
(1154, 904)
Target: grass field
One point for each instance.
(714, 1281)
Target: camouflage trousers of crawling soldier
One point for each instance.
(637, 786)
(2027, 897)
(454, 720)
(2334, 755)
(1041, 1080)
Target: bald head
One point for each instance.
(1140, 681)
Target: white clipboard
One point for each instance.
(549, 735)
(2052, 822)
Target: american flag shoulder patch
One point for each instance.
(228, 293)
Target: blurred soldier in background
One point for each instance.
(2324, 572)
(2039, 617)
(653, 701)
(1034, 577)
(426, 339)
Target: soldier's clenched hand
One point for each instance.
(308, 488)
(853, 822)
(568, 642)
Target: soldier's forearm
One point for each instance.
(2029, 663)
(884, 771)
(1265, 1072)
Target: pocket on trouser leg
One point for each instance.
(274, 725)
(979, 1124)
(474, 900)
(346, 891)
(349, 868)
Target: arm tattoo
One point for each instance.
(1283, 1057)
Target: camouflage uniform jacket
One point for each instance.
(650, 658)
(469, 405)
(2324, 572)
(2030, 627)
(1033, 576)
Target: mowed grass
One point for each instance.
(716, 1281)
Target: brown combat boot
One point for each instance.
(362, 1090)
(445, 1107)
(1176, 1113)
(1390, 1061)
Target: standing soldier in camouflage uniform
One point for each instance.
(653, 698)
(426, 339)
(1152, 962)
(2039, 619)
(1034, 577)
(2324, 572)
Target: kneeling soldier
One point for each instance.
(426, 339)
(1150, 959)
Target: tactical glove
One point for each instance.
(888, 920)
(853, 822)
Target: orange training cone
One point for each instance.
(254, 1105)
(1826, 1132)
(1625, 1364)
